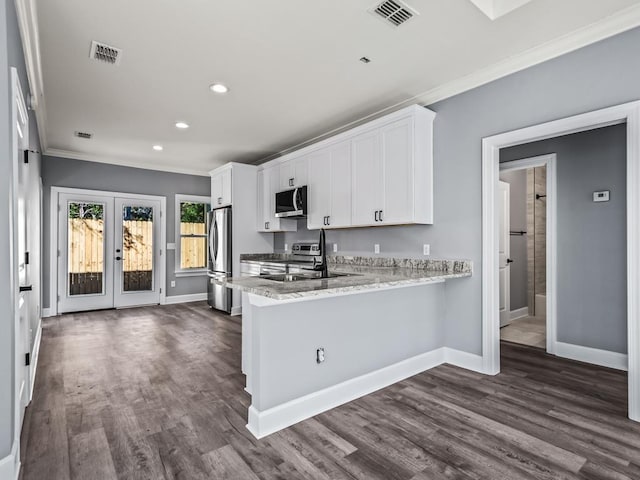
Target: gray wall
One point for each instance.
(64, 172)
(592, 260)
(598, 76)
(11, 55)
(518, 243)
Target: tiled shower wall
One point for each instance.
(536, 235)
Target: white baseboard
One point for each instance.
(236, 311)
(47, 312)
(35, 354)
(595, 356)
(194, 297)
(462, 359)
(266, 422)
(10, 465)
(519, 313)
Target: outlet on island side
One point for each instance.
(426, 249)
(376, 248)
(173, 284)
(320, 355)
(335, 247)
(286, 247)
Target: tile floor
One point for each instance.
(526, 331)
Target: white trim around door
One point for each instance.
(53, 238)
(552, 256)
(628, 113)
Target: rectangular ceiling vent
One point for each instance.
(105, 53)
(85, 135)
(394, 12)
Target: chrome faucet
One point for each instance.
(323, 252)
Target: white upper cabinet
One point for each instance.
(293, 173)
(268, 185)
(380, 173)
(221, 187)
(329, 194)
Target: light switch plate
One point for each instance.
(173, 283)
(376, 248)
(601, 196)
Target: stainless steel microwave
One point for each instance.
(292, 203)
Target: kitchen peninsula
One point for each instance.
(311, 344)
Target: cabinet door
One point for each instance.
(294, 173)
(221, 189)
(226, 186)
(261, 207)
(319, 191)
(398, 172)
(367, 181)
(340, 182)
(216, 190)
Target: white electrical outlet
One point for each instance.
(286, 247)
(426, 249)
(173, 283)
(376, 248)
(320, 355)
(335, 247)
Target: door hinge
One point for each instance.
(27, 359)
(26, 258)
(26, 156)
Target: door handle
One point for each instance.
(215, 240)
(26, 288)
(376, 215)
(329, 220)
(509, 261)
(291, 182)
(380, 215)
(219, 200)
(118, 258)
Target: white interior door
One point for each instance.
(504, 253)
(137, 252)
(20, 274)
(85, 244)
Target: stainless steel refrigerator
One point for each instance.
(220, 265)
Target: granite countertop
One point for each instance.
(367, 273)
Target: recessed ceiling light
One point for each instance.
(219, 88)
(158, 148)
(182, 125)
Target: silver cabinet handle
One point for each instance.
(291, 182)
(376, 215)
(380, 215)
(329, 220)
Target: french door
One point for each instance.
(109, 250)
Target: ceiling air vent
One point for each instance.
(394, 11)
(85, 135)
(105, 53)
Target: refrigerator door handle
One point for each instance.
(215, 240)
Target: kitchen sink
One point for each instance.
(299, 277)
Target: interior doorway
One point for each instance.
(525, 239)
(628, 116)
(109, 251)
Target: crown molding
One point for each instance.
(56, 152)
(615, 24)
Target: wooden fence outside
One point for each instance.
(86, 245)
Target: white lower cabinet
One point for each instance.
(268, 185)
(329, 195)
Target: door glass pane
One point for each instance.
(137, 241)
(85, 227)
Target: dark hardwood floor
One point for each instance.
(156, 392)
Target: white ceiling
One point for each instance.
(292, 67)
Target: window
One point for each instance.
(191, 233)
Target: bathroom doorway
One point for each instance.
(523, 264)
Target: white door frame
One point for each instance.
(629, 113)
(53, 238)
(552, 253)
